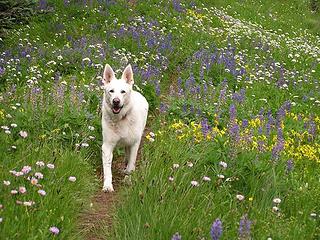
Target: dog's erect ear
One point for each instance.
(108, 74)
(127, 75)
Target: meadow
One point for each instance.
(232, 145)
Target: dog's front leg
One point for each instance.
(133, 151)
(107, 162)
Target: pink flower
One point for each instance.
(23, 134)
(72, 179)
(34, 181)
(42, 192)
(38, 175)
(54, 230)
(26, 169)
(240, 197)
(22, 190)
(50, 166)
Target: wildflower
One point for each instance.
(220, 176)
(216, 229)
(275, 209)
(14, 147)
(84, 144)
(313, 215)
(42, 192)
(23, 134)
(14, 192)
(244, 227)
(38, 175)
(50, 166)
(276, 200)
(240, 197)
(176, 236)
(91, 128)
(1, 206)
(171, 179)
(28, 203)
(40, 163)
(92, 138)
(54, 230)
(190, 164)
(223, 164)
(1, 219)
(194, 184)
(26, 169)
(175, 166)
(7, 132)
(152, 134)
(289, 165)
(22, 190)
(72, 179)
(206, 179)
(7, 183)
(34, 181)
(13, 125)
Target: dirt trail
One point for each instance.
(99, 215)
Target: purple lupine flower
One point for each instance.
(216, 229)
(163, 107)
(2, 70)
(234, 131)
(205, 127)
(290, 165)
(244, 228)
(176, 236)
(42, 4)
(233, 113)
(223, 91)
(245, 123)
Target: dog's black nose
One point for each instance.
(116, 101)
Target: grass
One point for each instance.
(228, 82)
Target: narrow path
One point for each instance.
(99, 216)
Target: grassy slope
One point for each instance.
(56, 119)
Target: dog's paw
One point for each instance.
(108, 188)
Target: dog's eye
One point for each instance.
(111, 91)
(123, 91)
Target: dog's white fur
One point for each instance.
(123, 128)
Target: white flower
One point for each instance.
(206, 179)
(40, 163)
(26, 169)
(275, 209)
(7, 132)
(276, 200)
(1, 219)
(50, 166)
(13, 125)
(152, 134)
(313, 214)
(175, 166)
(223, 164)
(72, 179)
(171, 179)
(23, 134)
(220, 176)
(14, 147)
(190, 164)
(84, 144)
(14, 191)
(42, 192)
(91, 128)
(7, 183)
(194, 184)
(28, 203)
(240, 197)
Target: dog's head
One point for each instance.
(117, 91)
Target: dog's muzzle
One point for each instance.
(116, 108)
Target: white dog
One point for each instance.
(124, 116)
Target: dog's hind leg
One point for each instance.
(132, 158)
(107, 162)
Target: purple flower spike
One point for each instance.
(216, 229)
(244, 228)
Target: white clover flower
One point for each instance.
(84, 144)
(40, 163)
(23, 134)
(171, 179)
(42, 192)
(13, 125)
(220, 176)
(190, 164)
(7, 183)
(275, 209)
(91, 128)
(38, 175)
(14, 192)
